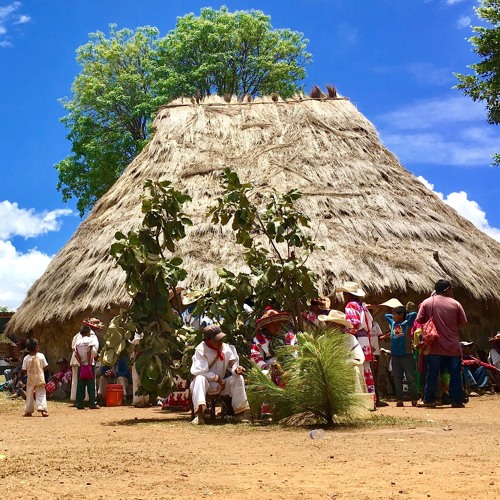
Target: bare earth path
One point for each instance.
(146, 453)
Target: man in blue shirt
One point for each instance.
(401, 323)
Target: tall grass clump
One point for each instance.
(318, 375)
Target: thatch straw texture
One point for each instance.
(379, 225)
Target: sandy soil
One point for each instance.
(134, 453)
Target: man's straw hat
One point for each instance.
(191, 297)
(335, 317)
(351, 287)
(272, 316)
(392, 303)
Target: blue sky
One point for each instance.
(393, 58)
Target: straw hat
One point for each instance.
(272, 316)
(351, 287)
(335, 317)
(94, 323)
(392, 303)
(191, 297)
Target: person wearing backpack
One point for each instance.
(445, 353)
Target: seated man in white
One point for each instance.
(211, 360)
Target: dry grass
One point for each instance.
(379, 225)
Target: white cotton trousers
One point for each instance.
(74, 381)
(35, 393)
(235, 387)
(135, 385)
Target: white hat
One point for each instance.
(351, 287)
(466, 344)
(392, 303)
(335, 317)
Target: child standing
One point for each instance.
(401, 355)
(85, 352)
(34, 365)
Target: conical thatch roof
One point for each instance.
(379, 225)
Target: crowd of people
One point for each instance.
(417, 367)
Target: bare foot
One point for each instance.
(27, 414)
(45, 413)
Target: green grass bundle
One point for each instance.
(319, 379)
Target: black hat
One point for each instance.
(441, 286)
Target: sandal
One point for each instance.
(45, 413)
(27, 414)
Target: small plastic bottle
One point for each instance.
(317, 434)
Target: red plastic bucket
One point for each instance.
(114, 395)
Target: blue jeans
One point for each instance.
(404, 364)
(437, 364)
(477, 378)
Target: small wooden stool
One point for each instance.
(214, 400)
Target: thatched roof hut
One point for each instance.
(379, 225)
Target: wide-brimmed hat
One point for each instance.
(495, 337)
(466, 344)
(392, 303)
(191, 297)
(94, 323)
(213, 332)
(272, 316)
(61, 360)
(322, 302)
(335, 317)
(351, 287)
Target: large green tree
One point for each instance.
(235, 53)
(113, 99)
(127, 75)
(484, 84)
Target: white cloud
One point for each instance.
(426, 114)
(15, 221)
(18, 272)
(463, 22)
(8, 16)
(468, 209)
(429, 74)
(6, 11)
(445, 131)
(453, 2)
(435, 148)
(23, 20)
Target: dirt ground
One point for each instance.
(131, 453)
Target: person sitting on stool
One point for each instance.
(211, 359)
